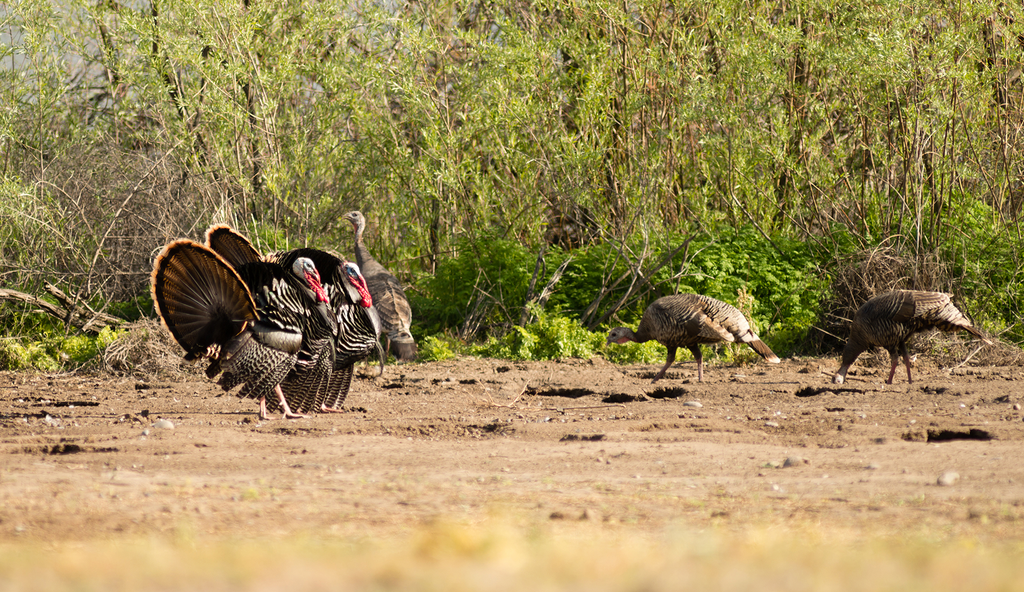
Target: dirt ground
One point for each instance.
(577, 440)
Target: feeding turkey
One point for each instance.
(888, 320)
(689, 320)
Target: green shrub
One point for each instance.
(488, 277)
(436, 348)
(15, 355)
(550, 337)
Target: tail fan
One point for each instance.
(231, 245)
(200, 298)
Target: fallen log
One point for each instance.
(69, 312)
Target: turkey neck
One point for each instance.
(367, 264)
(851, 351)
(641, 334)
(362, 254)
(327, 324)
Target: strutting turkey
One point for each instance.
(323, 374)
(688, 320)
(358, 323)
(388, 296)
(888, 320)
(247, 320)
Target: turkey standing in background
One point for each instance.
(323, 375)
(888, 320)
(247, 320)
(392, 305)
(688, 320)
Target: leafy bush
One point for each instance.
(15, 355)
(638, 353)
(460, 129)
(483, 283)
(436, 348)
(550, 337)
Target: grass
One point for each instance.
(499, 553)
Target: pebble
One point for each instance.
(948, 478)
(692, 404)
(1016, 406)
(771, 424)
(873, 467)
(794, 461)
(164, 424)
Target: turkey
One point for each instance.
(888, 320)
(392, 305)
(323, 374)
(688, 320)
(358, 326)
(247, 320)
(312, 372)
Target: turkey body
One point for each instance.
(689, 320)
(388, 296)
(322, 376)
(888, 320)
(247, 320)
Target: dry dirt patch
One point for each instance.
(545, 445)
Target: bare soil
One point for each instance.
(577, 440)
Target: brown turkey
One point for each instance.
(322, 376)
(247, 320)
(388, 296)
(888, 320)
(688, 320)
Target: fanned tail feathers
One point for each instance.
(200, 298)
(235, 248)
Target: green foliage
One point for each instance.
(638, 353)
(486, 278)
(50, 350)
(436, 348)
(550, 337)
(15, 355)
(459, 129)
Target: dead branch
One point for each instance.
(84, 319)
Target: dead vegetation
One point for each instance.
(146, 350)
(862, 275)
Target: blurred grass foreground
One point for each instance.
(499, 553)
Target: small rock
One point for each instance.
(588, 514)
(692, 404)
(873, 467)
(948, 478)
(794, 461)
(771, 424)
(1016, 406)
(164, 424)
(145, 432)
